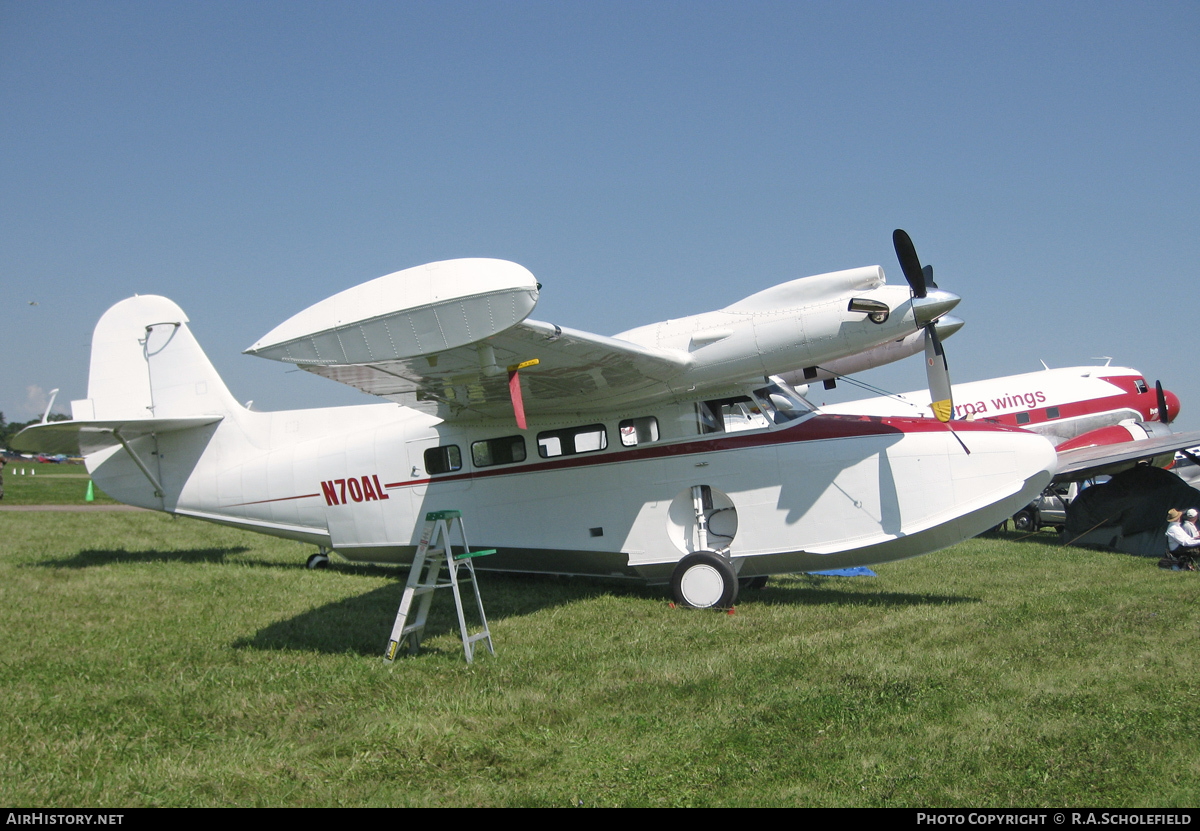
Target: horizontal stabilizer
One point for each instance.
(79, 437)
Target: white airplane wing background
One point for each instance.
(442, 337)
(1085, 462)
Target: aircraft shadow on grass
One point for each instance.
(93, 557)
(361, 624)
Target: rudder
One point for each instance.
(146, 363)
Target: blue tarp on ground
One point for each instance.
(856, 571)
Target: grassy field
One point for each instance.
(151, 661)
(31, 483)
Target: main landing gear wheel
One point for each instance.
(704, 580)
(318, 560)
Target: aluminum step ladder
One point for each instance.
(435, 551)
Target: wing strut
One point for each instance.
(158, 489)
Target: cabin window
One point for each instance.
(1022, 418)
(572, 440)
(502, 451)
(1052, 412)
(443, 459)
(730, 415)
(1141, 385)
(635, 431)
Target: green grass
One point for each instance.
(151, 661)
(32, 483)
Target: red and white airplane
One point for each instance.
(1100, 419)
(668, 453)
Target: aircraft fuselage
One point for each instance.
(572, 497)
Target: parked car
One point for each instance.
(1050, 509)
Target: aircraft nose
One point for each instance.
(1172, 405)
(934, 304)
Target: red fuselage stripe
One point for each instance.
(280, 499)
(1130, 399)
(819, 428)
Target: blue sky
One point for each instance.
(644, 160)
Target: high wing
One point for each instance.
(573, 369)
(1086, 462)
(446, 338)
(441, 337)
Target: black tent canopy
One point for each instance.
(1129, 512)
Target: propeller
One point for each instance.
(910, 263)
(920, 280)
(1164, 414)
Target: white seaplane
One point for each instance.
(668, 453)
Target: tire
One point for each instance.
(704, 580)
(1023, 521)
(318, 560)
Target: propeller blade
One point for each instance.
(1164, 415)
(940, 397)
(928, 272)
(910, 264)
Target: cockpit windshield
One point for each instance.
(781, 404)
(774, 404)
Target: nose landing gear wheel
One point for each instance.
(704, 581)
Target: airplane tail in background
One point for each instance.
(153, 394)
(147, 365)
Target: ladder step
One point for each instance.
(425, 588)
(470, 554)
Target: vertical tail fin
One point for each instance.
(154, 405)
(146, 364)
